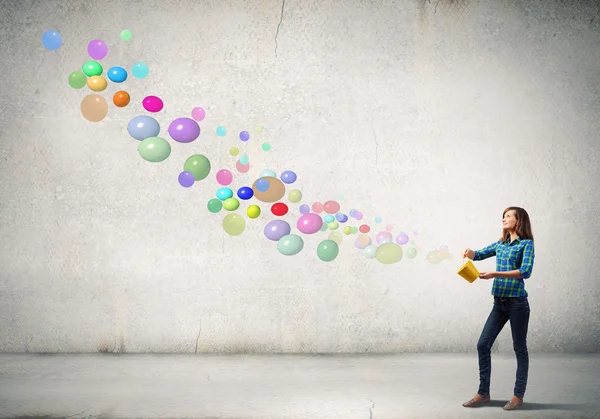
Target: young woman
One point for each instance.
(514, 262)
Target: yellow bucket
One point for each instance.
(468, 271)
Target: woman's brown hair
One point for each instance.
(523, 227)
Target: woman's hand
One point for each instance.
(488, 275)
(468, 253)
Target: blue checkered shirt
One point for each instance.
(510, 256)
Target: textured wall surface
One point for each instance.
(434, 115)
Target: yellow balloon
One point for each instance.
(97, 83)
(231, 204)
(295, 196)
(336, 236)
(389, 253)
(253, 211)
(234, 224)
(234, 151)
(347, 230)
(333, 225)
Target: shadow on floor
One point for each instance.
(571, 407)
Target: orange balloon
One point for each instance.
(121, 99)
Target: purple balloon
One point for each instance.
(186, 179)
(244, 136)
(342, 218)
(304, 209)
(97, 49)
(402, 238)
(309, 223)
(184, 130)
(276, 229)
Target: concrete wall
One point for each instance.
(434, 115)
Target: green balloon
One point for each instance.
(92, 68)
(77, 80)
(290, 245)
(126, 35)
(324, 227)
(154, 149)
(328, 250)
(411, 252)
(231, 204)
(198, 165)
(389, 253)
(214, 205)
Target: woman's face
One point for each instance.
(509, 221)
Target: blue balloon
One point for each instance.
(117, 74)
(52, 40)
(262, 185)
(142, 127)
(224, 193)
(288, 177)
(139, 70)
(245, 193)
(329, 218)
(342, 218)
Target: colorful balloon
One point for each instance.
(381, 235)
(253, 211)
(411, 253)
(271, 189)
(117, 74)
(334, 225)
(154, 149)
(244, 136)
(234, 224)
(304, 209)
(328, 218)
(126, 35)
(288, 177)
(370, 251)
(224, 193)
(143, 126)
(331, 207)
(245, 193)
(224, 177)
(244, 160)
(97, 83)
(198, 114)
(364, 228)
(402, 238)
(317, 207)
(221, 131)
(242, 168)
(295, 196)
(184, 130)
(94, 108)
(328, 250)
(77, 79)
(186, 179)
(214, 205)
(362, 241)
(290, 245)
(268, 173)
(234, 151)
(342, 218)
(276, 229)
(92, 68)
(266, 146)
(52, 40)
(198, 165)
(231, 204)
(389, 253)
(122, 99)
(97, 49)
(140, 70)
(279, 209)
(155, 104)
(309, 223)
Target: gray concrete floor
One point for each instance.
(423, 386)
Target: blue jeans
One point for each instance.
(515, 309)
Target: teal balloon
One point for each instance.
(154, 149)
(214, 205)
(290, 245)
(328, 250)
(244, 160)
(224, 193)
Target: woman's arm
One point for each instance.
(486, 252)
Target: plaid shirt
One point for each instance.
(510, 256)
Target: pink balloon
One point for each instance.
(331, 207)
(317, 208)
(198, 114)
(224, 177)
(242, 168)
(383, 234)
(152, 103)
(389, 227)
(309, 223)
